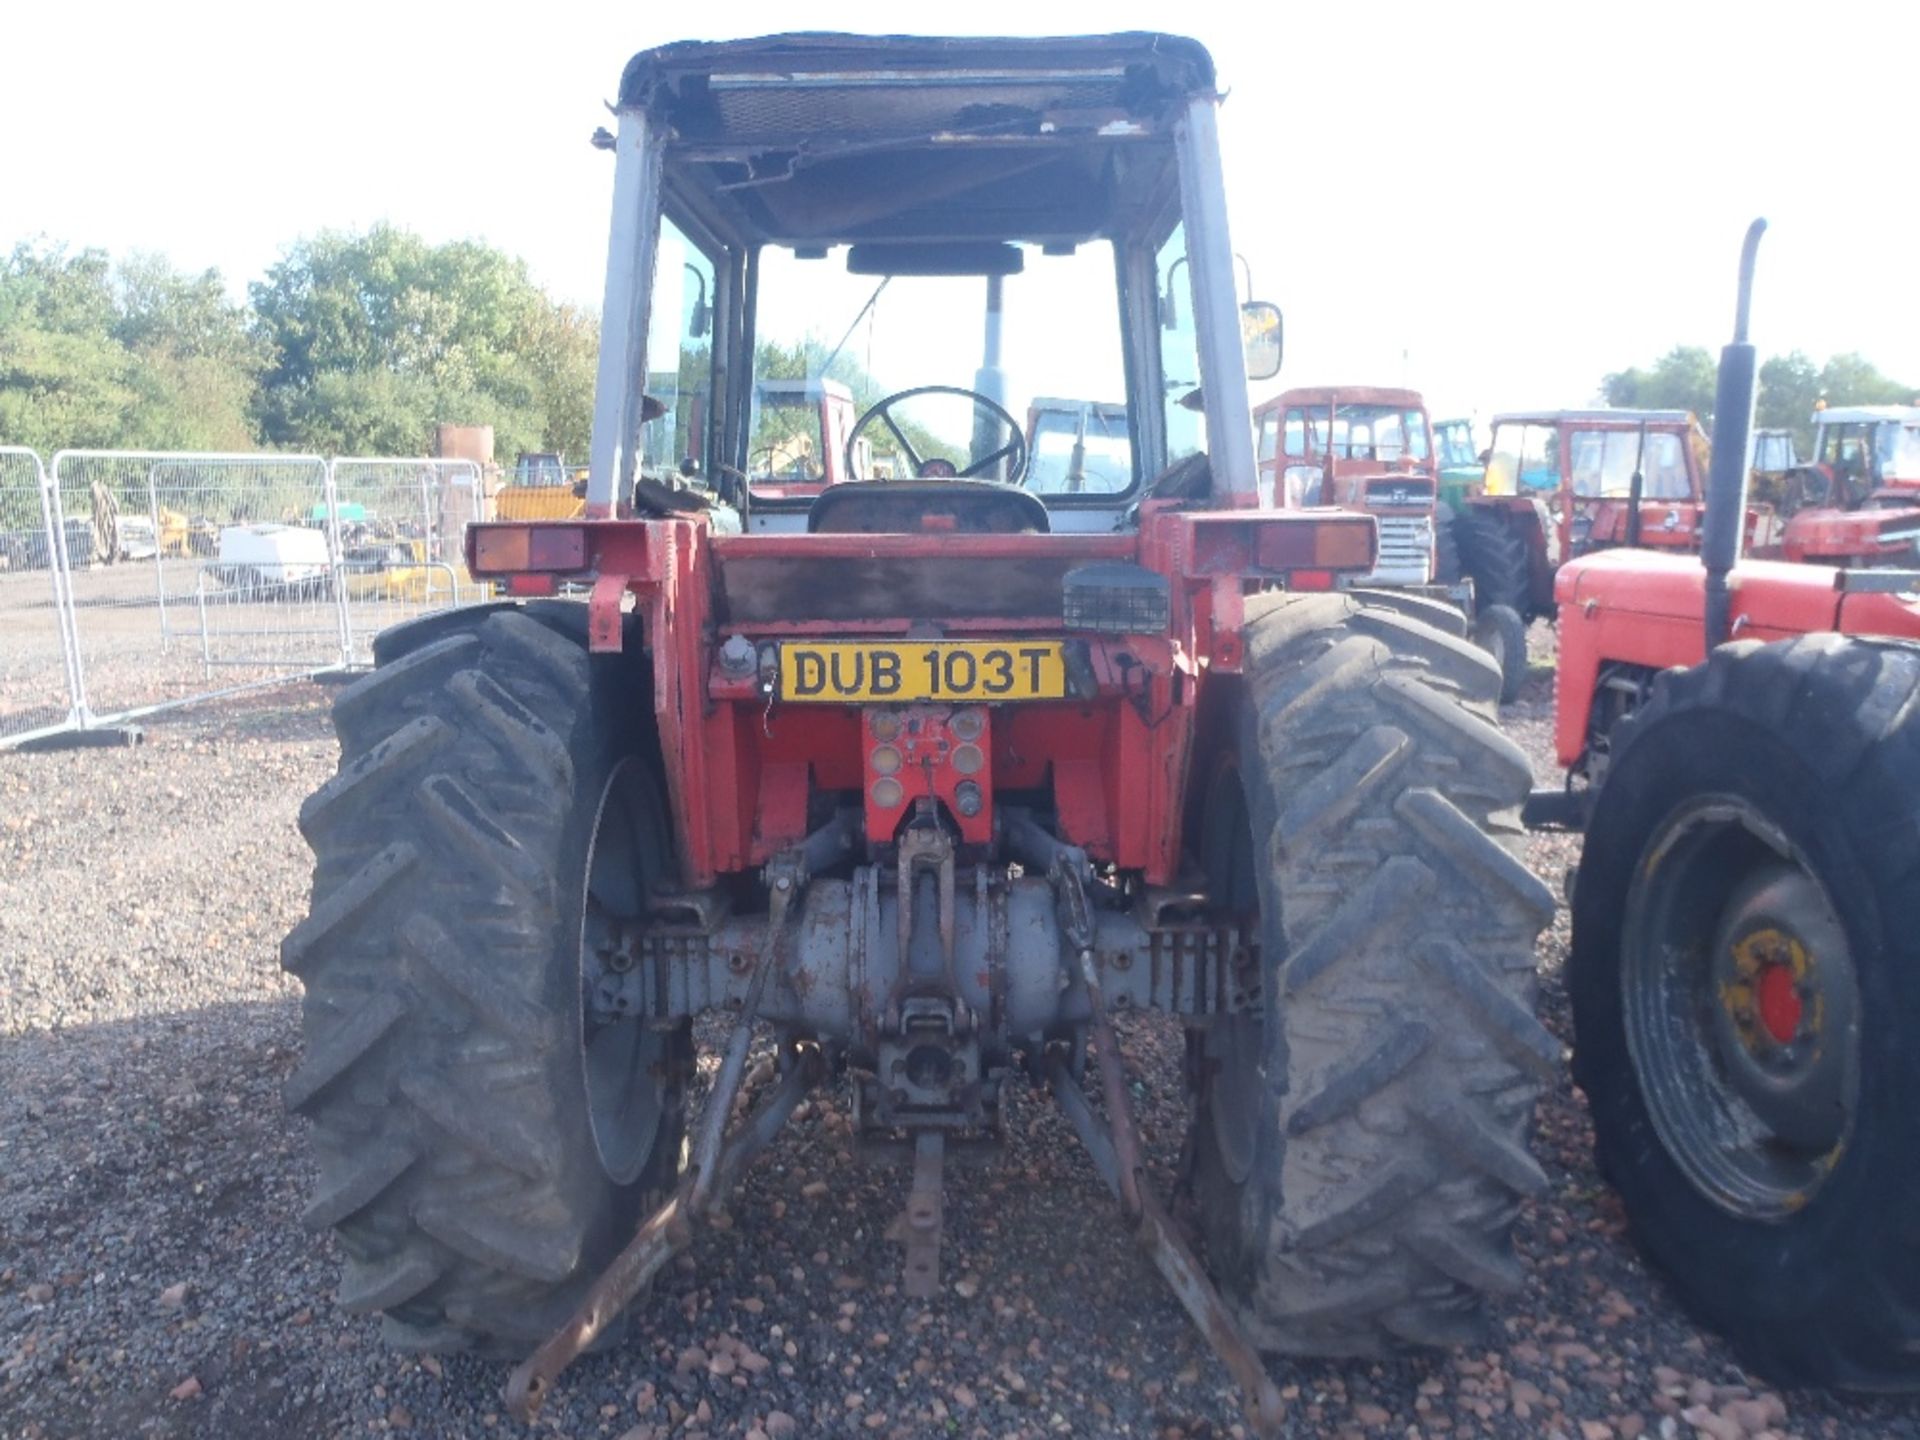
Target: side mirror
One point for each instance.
(699, 320)
(1261, 336)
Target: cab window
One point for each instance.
(679, 353)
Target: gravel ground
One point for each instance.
(154, 1280)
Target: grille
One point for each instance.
(1116, 598)
(1406, 549)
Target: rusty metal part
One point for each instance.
(1113, 1090)
(663, 1235)
(605, 627)
(1116, 1154)
(785, 881)
(919, 1227)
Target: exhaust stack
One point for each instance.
(1732, 441)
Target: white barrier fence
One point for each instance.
(40, 692)
(136, 581)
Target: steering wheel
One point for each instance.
(933, 467)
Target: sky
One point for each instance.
(1496, 204)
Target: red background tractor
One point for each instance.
(1746, 922)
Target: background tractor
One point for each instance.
(1561, 483)
(1371, 449)
(1745, 970)
(1078, 447)
(923, 779)
(1856, 502)
(1364, 448)
(1461, 460)
(799, 439)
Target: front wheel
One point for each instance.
(1745, 980)
(1501, 631)
(1359, 1146)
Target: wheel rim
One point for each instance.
(621, 1054)
(1741, 1005)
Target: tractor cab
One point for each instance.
(831, 306)
(1360, 447)
(1078, 447)
(1582, 465)
(1856, 502)
(1870, 448)
(798, 437)
(1459, 457)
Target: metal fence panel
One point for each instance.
(133, 581)
(402, 533)
(192, 575)
(38, 683)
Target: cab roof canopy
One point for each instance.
(1596, 417)
(1867, 414)
(811, 140)
(1347, 395)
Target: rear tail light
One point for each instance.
(1320, 542)
(517, 549)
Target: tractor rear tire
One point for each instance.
(1359, 1147)
(1502, 633)
(1769, 1172)
(1494, 556)
(445, 1071)
(1446, 545)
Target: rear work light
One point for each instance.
(1116, 598)
(1322, 542)
(518, 549)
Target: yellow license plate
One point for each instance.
(982, 670)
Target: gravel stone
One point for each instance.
(146, 1028)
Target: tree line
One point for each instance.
(1790, 386)
(351, 344)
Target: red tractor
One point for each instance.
(924, 787)
(798, 442)
(1746, 923)
(1364, 448)
(1078, 447)
(1371, 449)
(1857, 501)
(1561, 483)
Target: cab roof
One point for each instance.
(1596, 417)
(1866, 414)
(1345, 395)
(812, 140)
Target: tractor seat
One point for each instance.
(912, 507)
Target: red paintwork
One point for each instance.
(1779, 1002)
(1636, 607)
(1825, 534)
(926, 745)
(740, 770)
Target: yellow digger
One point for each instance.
(542, 488)
(397, 570)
